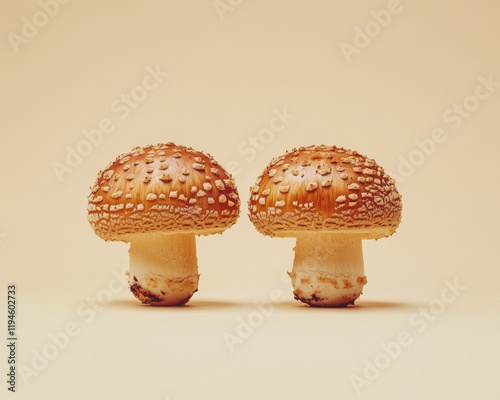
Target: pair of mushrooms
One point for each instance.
(158, 198)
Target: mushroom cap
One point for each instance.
(325, 188)
(163, 188)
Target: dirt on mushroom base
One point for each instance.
(158, 198)
(330, 199)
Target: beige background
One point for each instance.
(225, 78)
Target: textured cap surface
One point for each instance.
(162, 188)
(325, 188)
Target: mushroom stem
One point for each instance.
(328, 269)
(163, 268)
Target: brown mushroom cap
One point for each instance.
(162, 188)
(325, 188)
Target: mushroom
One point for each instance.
(329, 199)
(157, 198)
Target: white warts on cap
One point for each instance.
(348, 190)
(196, 193)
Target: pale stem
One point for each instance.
(163, 268)
(328, 269)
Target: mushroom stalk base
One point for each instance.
(163, 268)
(328, 269)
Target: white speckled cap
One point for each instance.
(162, 188)
(325, 188)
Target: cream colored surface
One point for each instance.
(275, 65)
